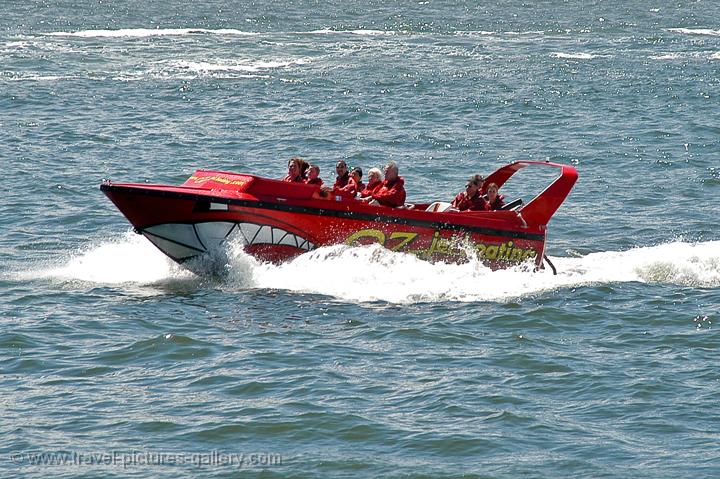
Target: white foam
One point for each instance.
(18, 45)
(680, 263)
(474, 33)
(38, 78)
(149, 32)
(667, 56)
(190, 69)
(373, 273)
(574, 56)
(328, 31)
(30, 45)
(530, 32)
(242, 65)
(695, 31)
(471, 33)
(686, 55)
(129, 259)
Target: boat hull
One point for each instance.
(187, 226)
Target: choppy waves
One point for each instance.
(158, 32)
(360, 361)
(186, 56)
(149, 32)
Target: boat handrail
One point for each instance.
(540, 209)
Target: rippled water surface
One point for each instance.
(360, 362)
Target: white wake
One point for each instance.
(372, 273)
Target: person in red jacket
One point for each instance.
(344, 185)
(314, 176)
(392, 191)
(343, 176)
(471, 199)
(356, 176)
(494, 201)
(374, 183)
(296, 170)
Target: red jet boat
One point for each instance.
(277, 220)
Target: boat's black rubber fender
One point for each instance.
(552, 266)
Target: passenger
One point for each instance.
(471, 199)
(314, 176)
(344, 185)
(296, 170)
(494, 201)
(343, 177)
(392, 190)
(374, 182)
(356, 176)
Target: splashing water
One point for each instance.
(373, 273)
(128, 259)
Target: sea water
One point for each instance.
(361, 362)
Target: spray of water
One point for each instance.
(127, 259)
(373, 273)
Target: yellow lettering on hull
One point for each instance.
(453, 247)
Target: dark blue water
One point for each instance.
(359, 362)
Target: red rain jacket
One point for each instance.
(344, 186)
(391, 193)
(497, 204)
(476, 203)
(370, 188)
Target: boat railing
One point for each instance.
(540, 209)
